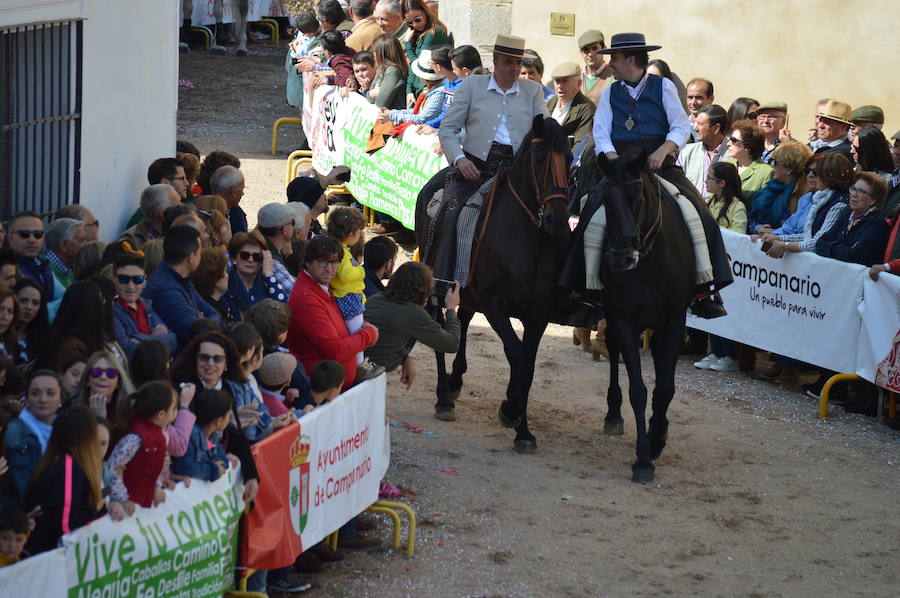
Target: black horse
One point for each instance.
(522, 247)
(648, 276)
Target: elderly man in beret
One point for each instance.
(865, 117)
(569, 105)
(772, 118)
(595, 74)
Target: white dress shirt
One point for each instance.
(679, 125)
(502, 135)
(561, 111)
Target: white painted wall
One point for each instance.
(129, 94)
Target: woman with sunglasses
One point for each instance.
(211, 361)
(745, 148)
(425, 31)
(104, 384)
(133, 318)
(780, 196)
(252, 277)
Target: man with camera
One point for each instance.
(399, 314)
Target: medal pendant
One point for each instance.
(629, 124)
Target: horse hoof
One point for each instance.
(614, 428)
(657, 434)
(508, 422)
(445, 414)
(642, 475)
(524, 446)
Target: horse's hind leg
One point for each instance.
(664, 345)
(459, 363)
(613, 424)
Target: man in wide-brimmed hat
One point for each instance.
(484, 127)
(639, 113)
(833, 122)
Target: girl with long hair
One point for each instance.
(34, 323)
(425, 31)
(388, 89)
(66, 482)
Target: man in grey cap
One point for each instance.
(771, 118)
(595, 74)
(276, 224)
(864, 117)
(568, 105)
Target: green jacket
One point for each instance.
(753, 178)
(439, 38)
(391, 89)
(294, 83)
(581, 112)
(400, 325)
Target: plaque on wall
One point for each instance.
(562, 23)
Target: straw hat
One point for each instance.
(838, 111)
(509, 45)
(423, 67)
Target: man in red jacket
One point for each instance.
(317, 330)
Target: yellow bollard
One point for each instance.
(296, 158)
(285, 120)
(393, 514)
(272, 24)
(411, 522)
(207, 35)
(823, 400)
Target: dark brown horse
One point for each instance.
(651, 293)
(522, 248)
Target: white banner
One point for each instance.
(802, 306)
(879, 339)
(204, 11)
(40, 576)
(349, 453)
(387, 180)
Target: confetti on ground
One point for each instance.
(440, 543)
(450, 470)
(567, 497)
(415, 429)
(389, 491)
(185, 83)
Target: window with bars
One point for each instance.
(40, 115)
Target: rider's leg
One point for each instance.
(594, 235)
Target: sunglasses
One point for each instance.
(250, 255)
(710, 177)
(409, 22)
(24, 234)
(329, 262)
(811, 171)
(111, 373)
(734, 140)
(206, 357)
(138, 279)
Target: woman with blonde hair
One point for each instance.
(425, 31)
(104, 384)
(66, 483)
(388, 89)
(778, 198)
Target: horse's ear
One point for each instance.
(603, 163)
(570, 127)
(537, 125)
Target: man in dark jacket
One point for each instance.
(378, 262)
(170, 288)
(832, 125)
(569, 105)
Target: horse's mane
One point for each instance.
(554, 136)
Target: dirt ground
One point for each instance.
(753, 496)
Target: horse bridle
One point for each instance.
(647, 239)
(560, 179)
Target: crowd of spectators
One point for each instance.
(128, 367)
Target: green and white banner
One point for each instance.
(388, 179)
(184, 548)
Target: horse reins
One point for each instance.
(560, 179)
(647, 239)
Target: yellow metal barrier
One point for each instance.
(410, 522)
(393, 515)
(294, 160)
(207, 35)
(823, 400)
(272, 24)
(285, 120)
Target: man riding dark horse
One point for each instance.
(641, 113)
(484, 127)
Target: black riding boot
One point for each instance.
(708, 307)
(588, 309)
